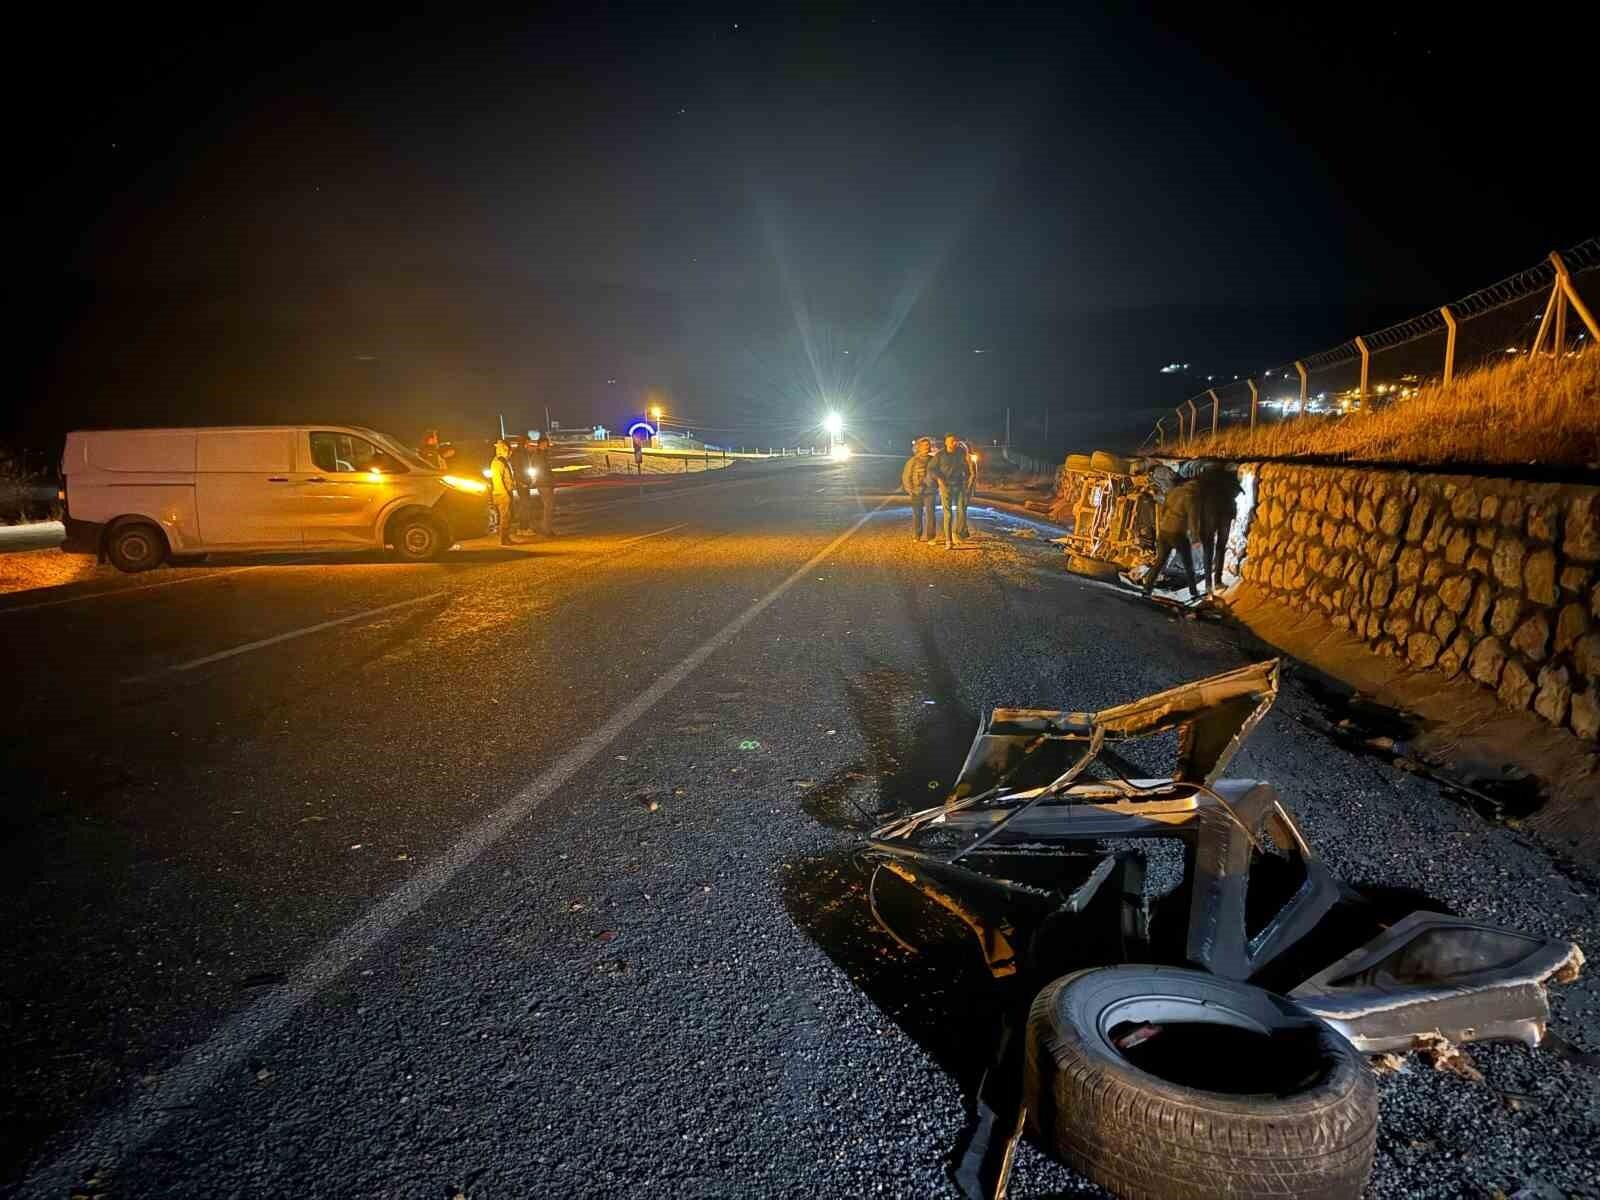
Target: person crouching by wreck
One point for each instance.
(1216, 498)
(952, 471)
(1172, 533)
(919, 486)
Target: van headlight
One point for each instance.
(462, 484)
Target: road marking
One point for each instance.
(148, 587)
(282, 637)
(642, 536)
(128, 1128)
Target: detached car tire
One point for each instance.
(1249, 1096)
(136, 546)
(417, 538)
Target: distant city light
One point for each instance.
(1174, 368)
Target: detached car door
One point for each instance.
(243, 489)
(343, 487)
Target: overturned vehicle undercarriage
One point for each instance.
(1206, 1039)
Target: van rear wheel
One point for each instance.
(417, 539)
(136, 546)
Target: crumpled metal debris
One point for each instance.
(1445, 1055)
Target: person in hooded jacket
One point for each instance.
(916, 483)
(502, 489)
(1173, 521)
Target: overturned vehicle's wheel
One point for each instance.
(1160, 1082)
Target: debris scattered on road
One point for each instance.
(356, 846)
(1037, 851)
(749, 744)
(1445, 1055)
(607, 935)
(575, 906)
(652, 806)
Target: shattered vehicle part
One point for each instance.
(1039, 849)
(1444, 976)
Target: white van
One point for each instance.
(138, 496)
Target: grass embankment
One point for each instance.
(1524, 410)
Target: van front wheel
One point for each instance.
(416, 539)
(136, 546)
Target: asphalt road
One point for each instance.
(528, 873)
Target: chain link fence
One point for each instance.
(1541, 309)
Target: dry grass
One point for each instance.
(1524, 410)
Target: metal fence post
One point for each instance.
(1301, 367)
(1161, 432)
(1255, 398)
(1194, 417)
(1216, 409)
(1564, 280)
(1449, 344)
(1556, 296)
(1366, 363)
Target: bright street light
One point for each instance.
(834, 424)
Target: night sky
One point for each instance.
(751, 216)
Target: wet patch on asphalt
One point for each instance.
(1504, 794)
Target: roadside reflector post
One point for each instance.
(1366, 365)
(1301, 367)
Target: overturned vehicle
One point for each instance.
(1206, 1037)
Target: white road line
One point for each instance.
(642, 536)
(282, 637)
(148, 587)
(144, 1114)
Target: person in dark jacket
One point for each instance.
(952, 471)
(541, 479)
(1172, 533)
(966, 492)
(916, 483)
(1216, 496)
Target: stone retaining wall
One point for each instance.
(1490, 579)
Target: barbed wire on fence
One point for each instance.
(1546, 276)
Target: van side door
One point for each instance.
(344, 484)
(243, 488)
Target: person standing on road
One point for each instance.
(966, 493)
(914, 481)
(542, 480)
(502, 489)
(952, 471)
(1172, 533)
(1215, 506)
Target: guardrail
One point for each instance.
(1525, 313)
